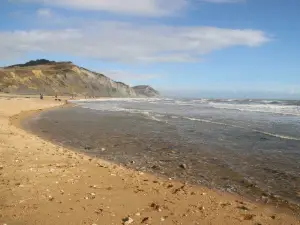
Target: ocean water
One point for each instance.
(275, 118)
(259, 131)
(250, 147)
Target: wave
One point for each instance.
(254, 130)
(260, 108)
(146, 113)
(118, 100)
(164, 116)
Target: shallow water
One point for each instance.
(253, 151)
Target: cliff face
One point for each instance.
(146, 91)
(63, 78)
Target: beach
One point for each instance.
(46, 183)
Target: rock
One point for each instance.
(146, 219)
(156, 207)
(138, 214)
(50, 198)
(183, 166)
(127, 220)
(103, 149)
(273, 217)
(224, 204)
(170, 186)
(132, 162)
(155, 167)
(249, 216)
(99, 211)
(1, 167)
(243, 208)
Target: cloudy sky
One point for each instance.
(181, 47)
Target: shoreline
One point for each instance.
(144, 161)
(127, 192)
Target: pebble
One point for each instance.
(1, 167)
(50, 198)
(243, 208)
(146, 219)
(127, 220)
(93, 195)
(155, 167)
(156, 207)
(249, 217)
(138, 214)
(183, 166)
(103, 149)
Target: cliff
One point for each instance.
(146, 91)
(61, 78)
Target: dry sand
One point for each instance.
(42, 183)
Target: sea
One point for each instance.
(246, 146)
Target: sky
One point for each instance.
(193, 48)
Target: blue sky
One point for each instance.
(210, 48)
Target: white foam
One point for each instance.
(263, 108)
(117, 100)
(254, 130)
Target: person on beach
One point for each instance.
(41, 96)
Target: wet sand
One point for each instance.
(44, 183)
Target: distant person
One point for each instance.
(41, 96)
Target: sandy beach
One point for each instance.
(43, 183)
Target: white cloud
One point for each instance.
(133, 7)
(129, 42)
(44, 12)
